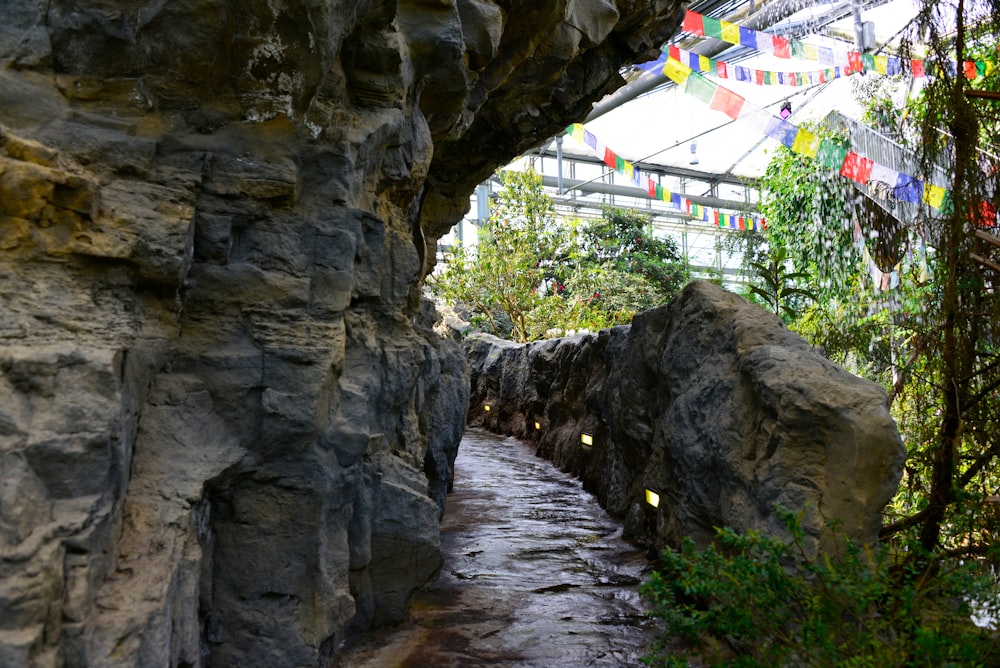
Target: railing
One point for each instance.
(884, 151)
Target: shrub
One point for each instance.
(754, 600)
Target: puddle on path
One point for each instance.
(535, 574)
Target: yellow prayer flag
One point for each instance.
(933, 195)
(578, 132)
(882, 64)
(806, 143)
(730, 32)
(704, 64)
(629, 169)
(810, 52)
(990, 66)
(676, 71)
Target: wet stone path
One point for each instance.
(535, 574)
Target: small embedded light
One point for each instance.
(538, 426)
(486, 407)
(786, 109)
(587, 439)
(652, 498)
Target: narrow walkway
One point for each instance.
(535, 574)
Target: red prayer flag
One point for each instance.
(917, 67)
(721, 70)
(782, 47)
(610, 159)
(759, 76)
(727, 102)
(674, 52)
(856, 168)
(651, 187)
(855, 62)
(970, 70)
(693, 23)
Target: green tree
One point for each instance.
(532, 276)
(519, 255)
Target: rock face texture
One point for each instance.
(226, 424)
(708, 401)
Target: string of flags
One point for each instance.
(848, 60)
(846, 162)
(658, 192)
(724, 70)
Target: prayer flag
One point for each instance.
(908, 189)
(806, 143)
(883, 174)
(781, 130)
(730, 32)
(610, 159)
(782, 48)
(857, 168)
(727, 102)
(934, 195)
(700, 88)
(712, 27)
(830, 155)
(693, 23)
(748, 38)
(854, 61)
(676, 71)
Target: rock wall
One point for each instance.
(708, 401)
(226, 425)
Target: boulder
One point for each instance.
(710, 402)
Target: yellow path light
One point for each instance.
(652, 498)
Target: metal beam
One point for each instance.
(639, 193)
(652, 168)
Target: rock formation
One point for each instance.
(708, 401)
(226, 426)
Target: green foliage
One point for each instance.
(775, 285)
(518, 252)
(752, 600)
(532, 275)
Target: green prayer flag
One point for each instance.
(713, 27)
(830, 155)
(700, 88)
